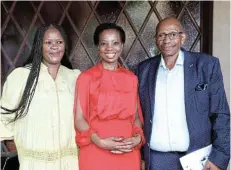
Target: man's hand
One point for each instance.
(210, 166)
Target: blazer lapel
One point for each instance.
(189, 81)
(152, 74)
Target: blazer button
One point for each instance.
(150, 121)
(148, 144)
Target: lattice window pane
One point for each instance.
(80, 59)
(79, 18)
(72, 36)
(51, 12)
(148, 35)
(138, 11)
(130, 35)
(190, 30)
(108, 11)
(169, 8)
(3, 14)
(24, 17)
(7, 4)
(136, 56)
(11, 40)
(88, 37)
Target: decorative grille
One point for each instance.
(79, 19)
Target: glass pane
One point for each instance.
(83, 13)
(88, 37)
(3, 14)
(64, 3)
(148, 35)
(122, 3)
(122, 62)
(169, 8)
(197, 47)
(11, 40)
(137, 11)
(189, 29)
(130, 35)
(93, 3)
(23, 57)
(6, 67)
(136, 56)
(194, 8)
(51, 12)
(36, 3)
(72, 36)
(8, 4)
(33, 31)
(80, 59)
(24, 17)
(108, 11)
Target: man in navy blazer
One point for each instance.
(184, 103)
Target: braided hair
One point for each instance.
(33, 63)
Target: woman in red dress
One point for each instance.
(108, 118)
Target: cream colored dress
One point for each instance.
(45, 137)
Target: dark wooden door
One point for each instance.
(79, 19)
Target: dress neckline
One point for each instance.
(119, 67)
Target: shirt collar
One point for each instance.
(44, 68)
(179, 61)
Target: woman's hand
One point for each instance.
(128, 145)
(111, 143)
(10, 145)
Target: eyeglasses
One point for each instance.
(171, 35)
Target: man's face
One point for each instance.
(169, 37)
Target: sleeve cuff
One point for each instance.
(219, 159)
(84, 138)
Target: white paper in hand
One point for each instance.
(196, 160)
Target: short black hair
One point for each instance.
(105, 26)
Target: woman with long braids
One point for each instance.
(37, 105)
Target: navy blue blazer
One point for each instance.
(207, 110)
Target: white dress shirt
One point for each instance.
(170, 130)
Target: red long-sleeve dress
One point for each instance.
(108, 101)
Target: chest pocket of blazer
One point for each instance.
(202, 100)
